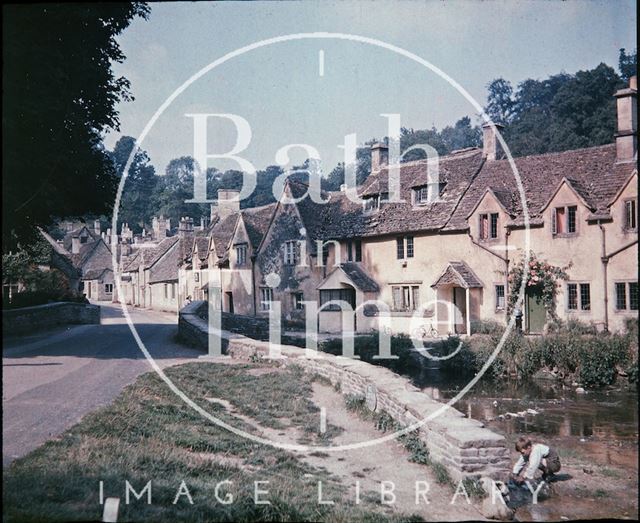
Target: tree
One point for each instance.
(135, 202)
(500, 101)
(59, 98)
(628, 64)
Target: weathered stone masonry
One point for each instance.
(27, 319)
(463, 445)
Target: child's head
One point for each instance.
(524, 445)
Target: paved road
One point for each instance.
(52, 379)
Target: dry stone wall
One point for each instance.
(463, 445)
(28, 319)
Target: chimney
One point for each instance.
(75, 245)
(491, 148)
(159, 226)
(379, 156)
(225, 206)
(96, 227)
(626, 135)
(186, 227)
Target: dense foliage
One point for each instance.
(59, 97)
(564, 111)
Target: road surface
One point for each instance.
(51, 379)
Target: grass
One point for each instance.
(149, 434)
(382, 420)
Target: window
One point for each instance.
(290, 252)
(581, 301)
(332, 295)
(358, 250)
(422, 194)
(83, 239)
(405, 297)
(372, 203)
(626, 296)
(564, 220)
(500, 302)
(173, 291)
(484, 226)
(166, 291)
(241, 254)
(494, 225)
(488, 226)
(297, 299)
(631, 214)
(404, 247)
(196, 276)
(266, 297)
(108, 288)
(354, 250)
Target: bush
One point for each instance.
(487, 327)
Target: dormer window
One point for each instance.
(488, 226)
(631, 214)
(372, 203)
(241, 254)
(427, 193)
(83, 239)
(565, 220)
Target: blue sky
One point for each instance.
(279, 89)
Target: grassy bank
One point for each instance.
(149, 434)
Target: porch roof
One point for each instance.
(356, 275)
(458, 273)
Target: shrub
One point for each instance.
(599, 359)
(487, 327)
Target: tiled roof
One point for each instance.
(257, 221)
(221, 232)
(592, 173)
(202, 243)
(359, 277)
(458, 273)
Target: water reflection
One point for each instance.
(545, 407)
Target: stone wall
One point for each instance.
(27, 319)
(463, 445)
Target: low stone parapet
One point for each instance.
(464, 446)
(28, 319)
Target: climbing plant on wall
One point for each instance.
(542, 278)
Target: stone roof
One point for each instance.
(359, 277)
(460, 274)
(256, 221)
(202, 243)
(221, 231)
(166, 267)
(592, 173)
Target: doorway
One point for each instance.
(535, 312)
(460, 310)
(229, 296)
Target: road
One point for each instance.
(51, 379)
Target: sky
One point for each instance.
(290, 95)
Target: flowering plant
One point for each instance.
(541, 278)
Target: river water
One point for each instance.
(596, 428)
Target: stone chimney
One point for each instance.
(379, 156)
(186, 227)
(626, 134)
(96, 227)
(159, 226)
(226, 206)
(491, 148)
(75, 244)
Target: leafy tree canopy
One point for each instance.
(59, 98)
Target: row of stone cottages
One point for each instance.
(453, 244)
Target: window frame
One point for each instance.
(407, 293)
(568, 218)
(498, 297)
(580, 305)
(108, 288)
(405, 247)
(241, 254)
(266, 298)
(371, 203)
(630, 204)
(297, 299)
(628, 296)
(347, 295)
(290, 252)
